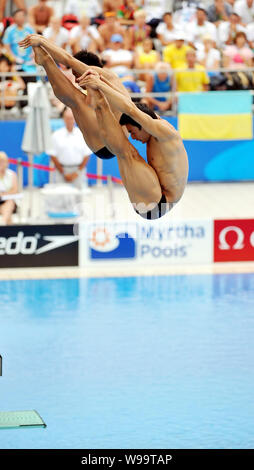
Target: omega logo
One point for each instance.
(239, 244)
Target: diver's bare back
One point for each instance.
(169, 159)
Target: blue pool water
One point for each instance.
(141, 362)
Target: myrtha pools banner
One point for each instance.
(175, 242)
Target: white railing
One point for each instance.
(134, 72)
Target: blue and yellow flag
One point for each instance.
(215, 115)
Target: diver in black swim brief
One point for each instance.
(153, 186)
(166, 170)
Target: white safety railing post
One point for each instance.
(99, 172)
(111, 195)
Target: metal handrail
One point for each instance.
(40, 74)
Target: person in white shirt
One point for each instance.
(166, 30)
(85, 36)
(56, 33)
(69, 152)
(196, 29)
(208, 56)
(8, 186)
(227, 29)
(245, 9)
(119, 60)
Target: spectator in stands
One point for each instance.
(111, 5)
(138, 31)
(227, 30)
(91, 8)
(132, 87)
(9, 87)
(175, 54)
(118, 59)
(69, 153)
(160, 82)
(56, 33)
(209, 56)
(146, 58)
(20, 4)
(39, 16)
(125, 12)
(110, 27)
(192, 80)
(155, 10)
(219, 11)
(196, 29)
(7, 21)
(23, 58)
(85, 36)
(184, 12)
(15, 33)
(245, 9)
(239, 55)
(166, 30)
(3, 48)
(8, 186)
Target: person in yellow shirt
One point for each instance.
(195, 79)
(175, 54)
(146, 58)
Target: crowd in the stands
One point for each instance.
(183, 43)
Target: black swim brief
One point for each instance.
(158, 211)
(104, 154)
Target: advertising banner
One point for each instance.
(38, 246)
(234, 240)
(175, 242)
(146, 243)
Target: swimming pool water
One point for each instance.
(139, 362)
